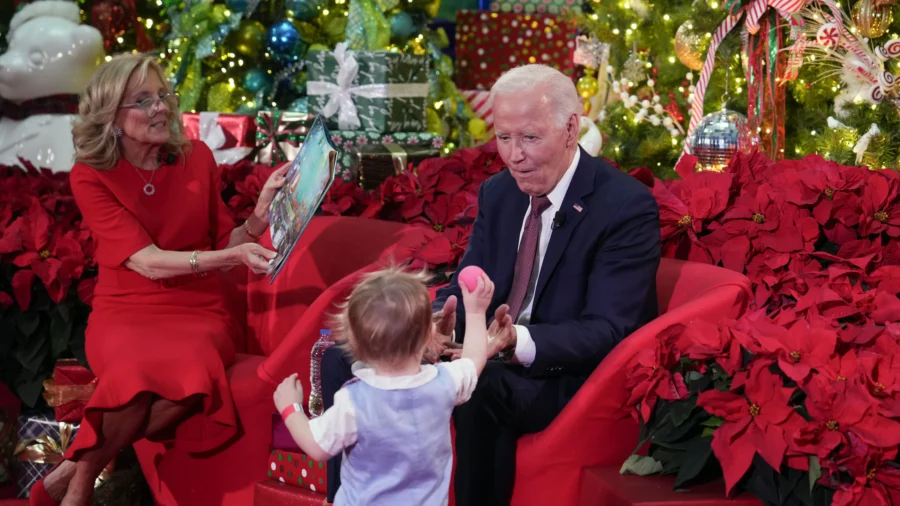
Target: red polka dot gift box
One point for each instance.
(490, 43)
(298, 470)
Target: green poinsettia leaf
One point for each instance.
(681, 410)
(694, 461)
(815, 471)
(641, 465)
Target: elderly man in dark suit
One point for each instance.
(572, 245)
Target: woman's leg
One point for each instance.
(120, 428)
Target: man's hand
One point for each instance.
(501, 335)
(442, 325)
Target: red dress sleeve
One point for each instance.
(117, 232)
(221, 222)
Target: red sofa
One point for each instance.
(282, 322)
(595, 429)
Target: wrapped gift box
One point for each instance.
(483, 106)
(490, 43)
(536, 6)
(349, 141)
(384, 92)
(604, 485)
(272, 493)
(373, 163)
(231, 137)
(279, 135)
(69, 390)
(295, 468)
(42, 442)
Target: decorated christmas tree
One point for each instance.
(804, 73)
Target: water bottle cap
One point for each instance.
(326, 332)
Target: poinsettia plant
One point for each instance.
(797, 401)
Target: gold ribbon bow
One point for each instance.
(57, 395)
(44, 449)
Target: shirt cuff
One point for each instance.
(525, 349)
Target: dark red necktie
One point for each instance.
(526, 268)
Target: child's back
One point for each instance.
(402, 453)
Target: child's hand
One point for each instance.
(288, 392)
(479, 300)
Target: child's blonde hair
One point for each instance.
(387, 318)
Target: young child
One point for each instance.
(393, 420)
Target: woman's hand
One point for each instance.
(288, 392)
(276, 180)
(253, 256)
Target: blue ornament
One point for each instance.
(402, 25)
(256, 80)
(284, 42)
(299, 105)
(238, 6)
(304, 10)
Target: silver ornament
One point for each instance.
(718, 137)
(634, 69)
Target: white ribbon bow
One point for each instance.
(863, 144)
(213, 135)
(341, 93)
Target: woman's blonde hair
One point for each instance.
(93, 133)
(387, 317)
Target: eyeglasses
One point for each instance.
(150, 106)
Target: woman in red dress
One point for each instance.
(159, 337)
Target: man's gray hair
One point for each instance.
(560, 90)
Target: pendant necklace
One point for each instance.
(149, 189)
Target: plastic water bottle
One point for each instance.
(316, 406)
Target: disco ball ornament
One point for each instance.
(718, 137)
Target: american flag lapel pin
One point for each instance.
(577, 207)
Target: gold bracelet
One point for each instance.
(247, 229)
(196, 265)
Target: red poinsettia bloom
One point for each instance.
(650, 376)
(702, 340)
(846, 406)
(43, 249)
(830, 189)
(443, 248)
(754, 422)
(686, 207)
(876, 479)
(880, 366)
(879, 207)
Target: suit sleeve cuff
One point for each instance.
(525, 349)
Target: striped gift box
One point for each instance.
(483, 106)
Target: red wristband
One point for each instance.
(290, 410)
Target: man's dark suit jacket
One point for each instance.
(597, 282)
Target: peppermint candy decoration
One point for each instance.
(886, 81)
(876, 94)
(828, 35)
(891, 49)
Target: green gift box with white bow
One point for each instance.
(377, 91)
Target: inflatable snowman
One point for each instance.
(50, 59)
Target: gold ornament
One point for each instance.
(872, 21)
(220, 98)
(691, 46)
(250, 37)
(587, 106)
(587, 86)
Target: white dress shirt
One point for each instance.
(525, 349)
